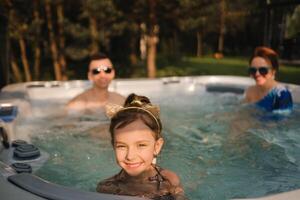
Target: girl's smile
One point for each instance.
(135, 147)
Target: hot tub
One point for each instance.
(213, 160)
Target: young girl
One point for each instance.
(136, 138)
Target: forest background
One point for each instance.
(53, 39)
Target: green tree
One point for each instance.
(293, 23)
(18, 31)
(103, 18)
(35, 30)
(194, 17)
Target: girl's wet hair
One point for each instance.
(268, 54)
(137, 108)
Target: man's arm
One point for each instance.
(75, 105)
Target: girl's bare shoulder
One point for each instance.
(171, 176)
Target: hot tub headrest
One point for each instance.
(224, 88)
(42, 188)
(22, 167)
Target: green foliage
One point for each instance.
(236, 66)
(293, 23)
(79, 35)
(289, 74)
(105, 11)
(191, 66)
(119, 31)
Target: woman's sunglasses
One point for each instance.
(106, 70)
(262, 70)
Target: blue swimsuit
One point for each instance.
(279, 99)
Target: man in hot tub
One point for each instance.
(101, 73)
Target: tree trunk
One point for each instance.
(18, 31)
(37, 63)
(199, 44)
(94, 35)
(152, 40)
(62, 60)
(143, 41)
(4, 51)
(174, 44)
(16, 71)
(151, 56)
(24, 58)
(133, 57)
(53, 46)
(37, 49)
(222, 27)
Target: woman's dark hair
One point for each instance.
(268, 54)
(137, 108)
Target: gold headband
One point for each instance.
(113, 109)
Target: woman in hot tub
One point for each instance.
(267, 93)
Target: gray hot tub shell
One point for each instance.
(23, 95)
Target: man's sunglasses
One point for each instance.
(262, 70)
(106, 70)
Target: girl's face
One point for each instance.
(264, 71)
(135, 147)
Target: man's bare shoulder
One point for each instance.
(116, 98)
(80, 99)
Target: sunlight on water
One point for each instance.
(219, 148)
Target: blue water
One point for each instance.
(220, 148)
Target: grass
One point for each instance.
(195, 66)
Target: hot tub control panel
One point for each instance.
(8, 112)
